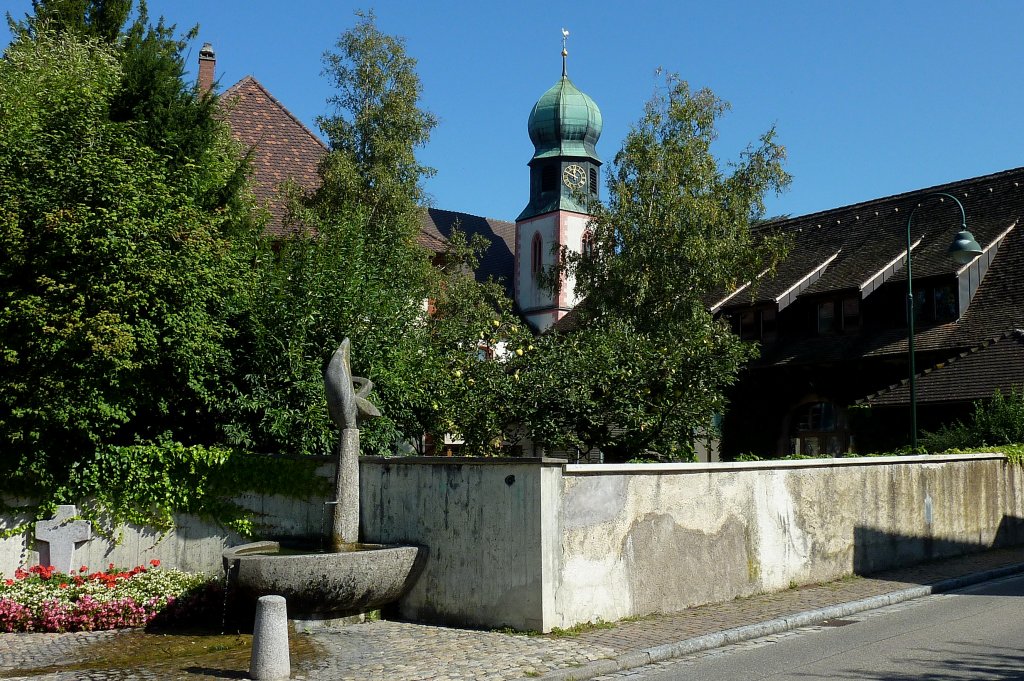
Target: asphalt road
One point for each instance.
(976, 633)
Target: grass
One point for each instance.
(577, 629)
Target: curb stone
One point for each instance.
(690, 646)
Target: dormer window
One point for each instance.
(935, 304)
(535, 254)
(839, 315)
(826, 317)
(756, 325)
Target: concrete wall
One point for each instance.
(537, 544)
(567, 544)
(643, 539)
(195, 545)
(484, 523)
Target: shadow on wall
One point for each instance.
(875, 550)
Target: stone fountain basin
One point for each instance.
(335, 584)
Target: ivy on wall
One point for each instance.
(148, 484)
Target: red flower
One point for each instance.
(9, 582)
(155, 562)
(83, 569)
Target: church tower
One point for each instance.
(564, 127)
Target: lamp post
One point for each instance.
(963, 250)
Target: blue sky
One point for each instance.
(869, 98)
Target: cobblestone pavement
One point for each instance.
(400, 651)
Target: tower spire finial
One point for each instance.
(565, 52)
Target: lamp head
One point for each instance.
(964, 248)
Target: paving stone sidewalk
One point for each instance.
(400, 651)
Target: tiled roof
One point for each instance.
(868, 236)
(499, 259)
(282, 147)
(973, 375)
(871, 235)
(285, 149)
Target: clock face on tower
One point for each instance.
(574, 177)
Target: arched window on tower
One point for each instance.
(593, 181)
(587, 244)
(535, 254)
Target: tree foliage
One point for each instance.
(169, 114)
(102, 20)
(115, 280)
(996, 421)
(375, 130)
(648, 365)
(354, 267)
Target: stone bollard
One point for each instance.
(270, 661)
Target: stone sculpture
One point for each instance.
(62, 534)
(353, 578)
(347, 405)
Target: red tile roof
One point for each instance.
(285, 149)
(282, 147)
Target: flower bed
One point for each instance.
(41, 599)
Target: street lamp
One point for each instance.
(963, 250)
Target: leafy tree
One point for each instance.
(171, 116)
(99, 19)
(648, 364)
(375, 131)
(994, 422)
(115, 280)
(473, 388)
(353, 268)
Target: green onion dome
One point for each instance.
(565, 122)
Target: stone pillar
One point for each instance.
(270, 657)
(345, 528)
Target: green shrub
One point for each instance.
(997, 421)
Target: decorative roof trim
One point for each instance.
(992, 246)
(718, 306)
(790, 294)
(879, 277)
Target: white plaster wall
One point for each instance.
(573, 226)
(643, 539)
(529, 295)
(562, 228)
(536, 544)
